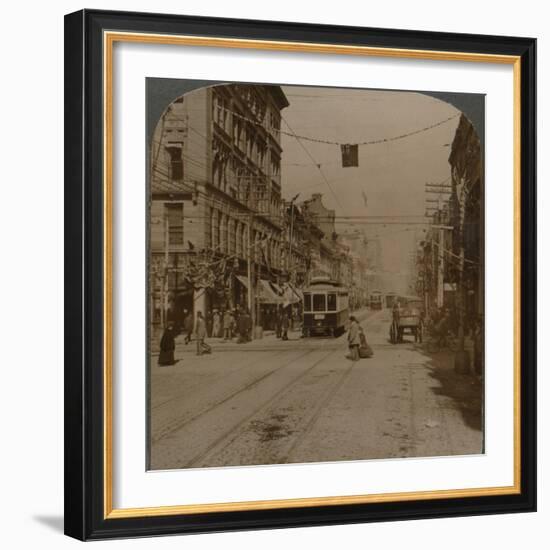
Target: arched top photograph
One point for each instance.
(297, 233)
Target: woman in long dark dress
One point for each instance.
(167, 347)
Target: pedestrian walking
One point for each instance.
(365, 351)
(354, 339)
(167, 347)
(216, 324)
(284, 325)
(236, 327)
(209, 322)
(442, 328)
(245, 326)
(234, 317)
(227, 325)
(266, 319)
(187, 326)
(241, 327)
(200, 334)
(278, 322)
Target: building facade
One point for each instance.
(215, 199)
(330, 255)
(451, 267)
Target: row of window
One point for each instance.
(254, 147)
(228, 116)
(320, 302)
(231, 175)
(229, 235)
(325, 301)
(173, 212)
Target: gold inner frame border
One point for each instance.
(109, 39)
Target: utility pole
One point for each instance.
(164, 298)
(438, 189)
(462, 358)
(440, 268)
(440, 259)
(425, 283)
(291, 232)
(249, 266)
(433, 259)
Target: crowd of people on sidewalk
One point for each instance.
(237, 323)
(227, 324)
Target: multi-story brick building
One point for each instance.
(332, 257)
(457, 232)
(302, 245)
(215, 199)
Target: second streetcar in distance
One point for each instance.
(326, 309)
(375, 299)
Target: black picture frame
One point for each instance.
(84, 282)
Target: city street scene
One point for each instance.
(316, 274)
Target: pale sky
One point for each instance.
(392, 175)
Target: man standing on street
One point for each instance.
(227, 325)
(354, 339)
(187, 326)
(248, 325)
(216, 324)
(209, 322)
(278, 321)
(241, 327)
(284, 325)
(167, 347)
(200, 332)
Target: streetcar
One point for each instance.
(390, 299)
(375, 299)
(326, 308)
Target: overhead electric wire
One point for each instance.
(314, 162)
(331, 142)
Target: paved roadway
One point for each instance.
(303, 401)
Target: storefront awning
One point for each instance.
(289, 295)
(243, 280)
(297, 291)
(265, 293)
(277, 288)
(272, 293)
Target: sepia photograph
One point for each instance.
(316, 283)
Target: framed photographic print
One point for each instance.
(300, 274)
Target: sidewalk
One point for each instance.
(466, 391)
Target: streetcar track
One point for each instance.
(207, 379)
(329, 395)
(203, 454)
(183, 422)
(325, 342)
(171, 428)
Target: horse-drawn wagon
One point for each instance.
(407, 318)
